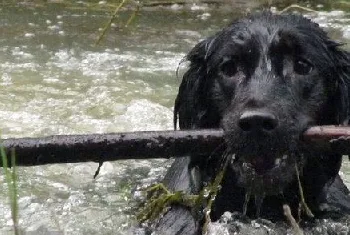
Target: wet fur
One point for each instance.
(262, 48)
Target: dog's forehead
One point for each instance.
(263, 33)
(267, 34)
(253, 38)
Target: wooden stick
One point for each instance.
(334, 138)
(143, 145)
(110, 147)
(326, 133)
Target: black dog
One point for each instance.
(264, 79)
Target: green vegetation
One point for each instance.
(160, 199)
(11, 180)
(114, 16)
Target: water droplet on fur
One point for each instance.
(233, 156)
(268, 65)
(206, 193)
(277, 161)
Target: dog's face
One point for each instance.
(264, 80)
(270, 84)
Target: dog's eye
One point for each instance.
(302, 67)
(228, 68)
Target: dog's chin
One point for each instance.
(268, 164)
(266, 175)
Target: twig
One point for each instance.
(301, 192)
(213, 192)
(107, 26)
(133, 15)
(287, 212)
(296, 6)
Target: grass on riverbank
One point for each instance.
(11, 181)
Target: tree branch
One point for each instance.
(145, 145)
(110, 147)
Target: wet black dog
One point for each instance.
(264, 79)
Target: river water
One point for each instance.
(53, 80)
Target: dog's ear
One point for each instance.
(192, 102)
(342, 63)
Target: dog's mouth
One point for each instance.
(265, 162)
(265, 174)
(262, 165)
(266, 165)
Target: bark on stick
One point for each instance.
(144, 145)
(110, 147)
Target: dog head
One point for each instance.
(265, 79)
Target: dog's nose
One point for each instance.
(257, 121)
